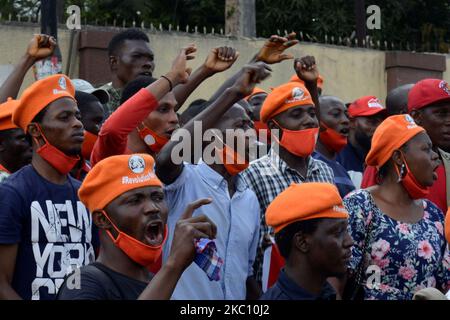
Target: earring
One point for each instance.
(402, 172)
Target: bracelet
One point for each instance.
(170, 82)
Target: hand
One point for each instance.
(306, 69)
(180, 72)
(272, 51)
(252, 75)
(220, 59)
(187, 230)
(41, 46)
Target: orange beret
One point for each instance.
(319, 80)
(39, 95)
(305, 201)
(284, 97)
(447, 226)
(390, 135)
(6, 111)
(255, 91)
(114, 176)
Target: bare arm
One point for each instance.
(166, 169)
(114, 133)
(272, 52)
(218, 60)
(8, 254)
(307, 71)
(40, 47)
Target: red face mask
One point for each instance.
(153, 140)
(262, 126)
(136, 250)
(413, 187)
(300, 142)
(55, 157)
(88, 144)
(332, 139)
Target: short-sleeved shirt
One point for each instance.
(237, 221)
(286, 289)
(353, 161)
(403, 257)
(98, 282)
(51, 227)
(268, 177)
(341, 178)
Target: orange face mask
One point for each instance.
(332, 139)
(413, 187)
(300, 142)
(55, 157)
(153, 140)
(136, 250)
(88, 144)
(231, 160)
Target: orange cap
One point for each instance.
(114, 176)
(390, 135)
(39, 95)
(6, 111)
(365, 106)
(317, 199)
(284, 97)
(295, 78)
(255, 91)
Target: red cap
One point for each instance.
(426, 92)
(365, 106)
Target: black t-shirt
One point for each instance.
(98, 282)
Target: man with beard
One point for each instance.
(334, 128)
(44, 229)
(365, 114)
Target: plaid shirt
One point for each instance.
(268, 177)
(114, 98)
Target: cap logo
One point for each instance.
(136, 164)
(374, 103)
(62, 83)
(444, 86)
(412, 124)
(297, 95)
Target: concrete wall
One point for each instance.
(446, 75)
(348, 72)
(14, 42)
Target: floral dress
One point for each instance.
(401, 258)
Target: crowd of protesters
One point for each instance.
(103, 196)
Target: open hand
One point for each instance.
(274, 47)
(180, 72)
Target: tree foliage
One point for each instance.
(425, 22)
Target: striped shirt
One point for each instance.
(268, 176)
